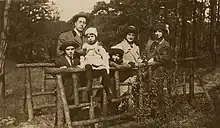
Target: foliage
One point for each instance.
(163, 110)
(33, 30)
(189, 22)
(40, 10)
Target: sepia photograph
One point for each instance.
(109, 63)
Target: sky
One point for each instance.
(68, 8)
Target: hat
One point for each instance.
(160, 26)
(91, 30)
(116, 50)
(130, 29)
(81, 14)
(65, 44)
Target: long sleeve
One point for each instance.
(59, 43)
(163, 55)
(105, 57)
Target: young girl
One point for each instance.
(95, 54)
(96, 58)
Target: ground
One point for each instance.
(12, 113)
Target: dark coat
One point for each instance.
(67, 77)
(161, 53)
(62, 61)
(69, 36)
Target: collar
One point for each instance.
(77, 32)
(161, 41)
(128, 44)
(68, 59)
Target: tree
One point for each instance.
(33, 29)
(179, 14)
(3, 46)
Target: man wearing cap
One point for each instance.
(160, 48)
(79, 22)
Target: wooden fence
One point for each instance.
(63, 109)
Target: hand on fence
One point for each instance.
(63, 67)
(132, 64)
(151, 60)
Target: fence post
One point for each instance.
(43, 86)
(63, 98)
(117, 82)
(141, 90)
(184, 84)
(191, 85)
(75, 87)
(59, 107)
(2, 83)
(29, 95)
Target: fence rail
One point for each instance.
(62, 103)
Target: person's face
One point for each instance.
(70, 51)
(117, 58)
(91, 38)
(130, 37)
(80, 24)
(158, 34)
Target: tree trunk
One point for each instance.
(3, 47)
(213, 47)
(178, 30)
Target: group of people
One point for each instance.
(81, 48)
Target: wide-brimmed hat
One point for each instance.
(130, 29)
(68, 43)
(81, 14)
(160, 26)
(116, 50)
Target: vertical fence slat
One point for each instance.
(184, 84)
(191, 85)
(63, 98)
(29, 95)
(59, 107)
(75, 87)
(117, 83)
(2, 84)
(141, 90)
(43, 86)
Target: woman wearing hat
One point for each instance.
(131, 56)
(160, 49)
(79, 22)
(130, 49)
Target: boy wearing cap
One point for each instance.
(116, 56)
(79, 22)
(68, 59)
(96, 58)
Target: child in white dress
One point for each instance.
(96, 60)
